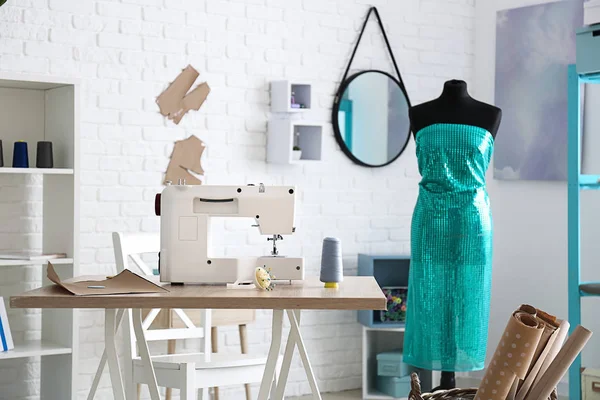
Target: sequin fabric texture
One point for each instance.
(451, 245)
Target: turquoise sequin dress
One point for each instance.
(451, 244)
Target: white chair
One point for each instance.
(187, 372)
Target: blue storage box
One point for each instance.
(390, 364)
(588, 50)
(394, 386)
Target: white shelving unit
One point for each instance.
(46, 171)
(282, 92)
(377, 340)
(59, 261)
(35, 348)
(284, 134)
(34, 108)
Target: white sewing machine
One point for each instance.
(185, 243)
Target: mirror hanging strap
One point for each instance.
(387, 43)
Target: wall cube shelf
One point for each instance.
(282, 93)
(388, 270)
(284, 134)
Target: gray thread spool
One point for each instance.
(332, 270)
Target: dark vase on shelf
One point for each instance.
(44, 158)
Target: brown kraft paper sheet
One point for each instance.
(512, 357)
(125, 282)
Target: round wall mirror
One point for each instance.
(370, 118)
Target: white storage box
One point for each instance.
(588, 50)
(590, 384)
(591, 12)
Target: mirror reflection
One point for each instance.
(372, 126)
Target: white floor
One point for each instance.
(352, 394)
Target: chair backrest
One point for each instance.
(130, 247)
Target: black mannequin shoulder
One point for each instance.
(422, 115)
(489, 109)
(467, 111)
(489, 117)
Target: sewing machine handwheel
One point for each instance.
(157, 204)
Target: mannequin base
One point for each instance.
(447, 381)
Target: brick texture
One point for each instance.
(126, 51)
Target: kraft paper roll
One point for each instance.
(541, 351)
(513, 390)
(561, 363)
(537, 364)
(561, 335)
(548, 354)
(512, 357)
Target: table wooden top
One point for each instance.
(354, 293)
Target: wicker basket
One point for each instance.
(415, 392)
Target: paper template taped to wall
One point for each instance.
(186, 157)
(6, 341)
(125, 282)
(175, 101)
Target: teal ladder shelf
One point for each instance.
(576, 183)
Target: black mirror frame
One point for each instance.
(336, 127)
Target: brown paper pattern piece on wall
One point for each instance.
(186, 157)
(512, 357)
(175, 101)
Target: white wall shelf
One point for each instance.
(57, 261)
(32, 109)
(284, 134)
(35, 349)
(282, 93)
(49, 171)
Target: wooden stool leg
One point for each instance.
(214, 338)
(244, 346)
(171, 348)
(139, 391)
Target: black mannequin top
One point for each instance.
(455, 106)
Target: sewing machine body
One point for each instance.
(186, 212)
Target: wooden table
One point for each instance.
(355, 293)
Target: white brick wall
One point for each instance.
(126, 52)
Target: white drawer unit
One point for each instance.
(588, 50)
(590, 384)
(591, 12)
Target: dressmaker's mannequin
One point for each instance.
(451, 234)
(455, 106)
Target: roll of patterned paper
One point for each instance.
(536, 364)
(558, 368)
(512, 357)
(550, 326)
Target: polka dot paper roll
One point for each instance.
(512, 357)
